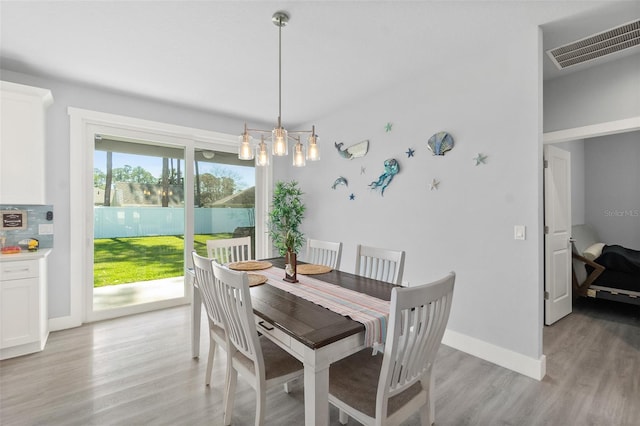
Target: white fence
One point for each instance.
(113, 222)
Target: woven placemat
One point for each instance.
(310, 269)
(250, 265)
(256, 279)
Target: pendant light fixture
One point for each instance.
(279, 135)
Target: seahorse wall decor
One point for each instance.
(391, 168)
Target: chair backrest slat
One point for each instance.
(230, 249)
(381, 264)
(203, 271)
(323, 253)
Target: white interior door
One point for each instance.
(557, 217)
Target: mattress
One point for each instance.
(622, 268)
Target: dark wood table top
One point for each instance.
(311, 324)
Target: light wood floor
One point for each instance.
(138, 371)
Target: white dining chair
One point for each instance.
(387, 389)
(381, 264)
(258, 360)
(323, 253)
(203, 271)
(230, 249)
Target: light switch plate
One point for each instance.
(45, 229)
(519, 232)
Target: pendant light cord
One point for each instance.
(279, 72)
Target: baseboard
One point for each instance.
(531, 367)
(62, 323)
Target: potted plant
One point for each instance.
(287, 212)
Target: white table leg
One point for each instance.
(196, 305)
(316, 395)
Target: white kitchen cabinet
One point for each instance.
(24, 324)
(22, 143)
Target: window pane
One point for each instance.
(224, 194)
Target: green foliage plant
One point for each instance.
(285, 217)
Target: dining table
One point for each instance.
(313, 334)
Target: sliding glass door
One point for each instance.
(139, 224)
(143, 227)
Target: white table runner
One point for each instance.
(372, 312)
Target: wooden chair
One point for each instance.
(387, 389)
(230, 249)
(260, 361)
(324, 253)
(381, 264)
(204, 281)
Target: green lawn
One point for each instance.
(127, 260)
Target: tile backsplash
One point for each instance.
(37, 222)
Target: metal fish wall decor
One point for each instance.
(339, 181)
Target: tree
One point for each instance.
(108, 180)
(99, 178)
(122, 174)
(198, 196)
(165, 182)
(214, 188)
(132, 175)
(140, 175)
(224, 172)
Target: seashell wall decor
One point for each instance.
(440, 143)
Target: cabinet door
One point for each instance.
(22, 143)
(19, 313)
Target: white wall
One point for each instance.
(576, 148)
(57, 174)
(606, 92)
(612, 181)
(466, 225)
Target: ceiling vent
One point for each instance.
(597, 46)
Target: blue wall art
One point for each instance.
(391, 168)
(339, 181)
(354, 151)
(480, 159)
(440, 143)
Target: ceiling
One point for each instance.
(221, 56)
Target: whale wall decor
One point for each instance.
(354, 151)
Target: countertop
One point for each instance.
(25, 255)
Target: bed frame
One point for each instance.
(584, 236)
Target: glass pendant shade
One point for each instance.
(262, 154)
(279, 137)
(313, 152)
(299, 155)
(245, 152)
